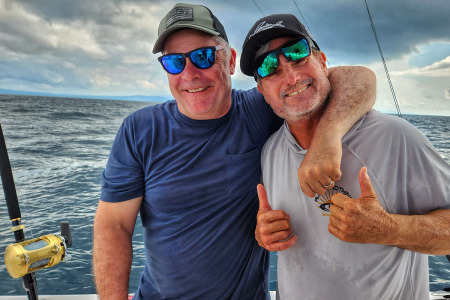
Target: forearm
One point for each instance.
(112, 257)
(353, 93)
(428, 233)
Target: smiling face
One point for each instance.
(299, 89)
(201, 94)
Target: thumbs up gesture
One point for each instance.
(273, 229)
(361, 220)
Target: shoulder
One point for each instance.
(385, 139)
(247, 96)
(252, 109)
(379, 119)
(274, 142)
(394, 141)
(152, 112)
(155, 109)
(391, 127)
(142, 121)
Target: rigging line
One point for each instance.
(307, 26)
(384, 62)
(258, 7)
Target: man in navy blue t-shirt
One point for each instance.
(190, 167)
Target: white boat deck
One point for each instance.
(433, 296)
(75, 297)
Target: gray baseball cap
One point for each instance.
(183, 16)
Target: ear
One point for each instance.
(323, 62)
(232, 61)
(260, 88)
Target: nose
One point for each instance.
(290, 74)
(190, 71)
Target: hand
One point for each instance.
(361, 220)
(273, 230)
(320, 166)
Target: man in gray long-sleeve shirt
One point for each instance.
(388, 210)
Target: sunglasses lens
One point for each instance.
(269, 65)
(203, 58)
(292, 50)
(296, 51)
(173, 63)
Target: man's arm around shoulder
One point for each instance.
(353, 92)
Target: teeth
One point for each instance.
(197, 90)
(298, 91)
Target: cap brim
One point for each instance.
(159, 44)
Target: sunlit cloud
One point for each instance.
(437, 69)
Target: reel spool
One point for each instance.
(29, 256)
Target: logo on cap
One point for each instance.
(179, 13)
(262, 26)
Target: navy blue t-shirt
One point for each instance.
(198, 179)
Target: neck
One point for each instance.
(303, 131)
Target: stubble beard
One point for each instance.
(291, 114)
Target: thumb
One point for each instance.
(365, 184)
(264, 205)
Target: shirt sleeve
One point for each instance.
(415, 174)
(123, 177)
(428, 175)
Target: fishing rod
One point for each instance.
(25, 257)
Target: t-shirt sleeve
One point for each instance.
(123, 176)
(429, 174)
(415, 173)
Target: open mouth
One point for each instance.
(197, 90)
(298, 91)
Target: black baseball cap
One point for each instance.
(267, 29)
(183, 16)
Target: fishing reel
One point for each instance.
(31, 255)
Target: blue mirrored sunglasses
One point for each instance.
(201, 58)
(293, 50)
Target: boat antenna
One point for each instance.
(384, 62)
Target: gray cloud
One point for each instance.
(342, 28)
(104, 46)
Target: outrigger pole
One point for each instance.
(29, 280)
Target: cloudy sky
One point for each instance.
(103, 47)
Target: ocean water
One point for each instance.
(58, 148)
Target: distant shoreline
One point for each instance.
(141, 98)
(109, 97)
